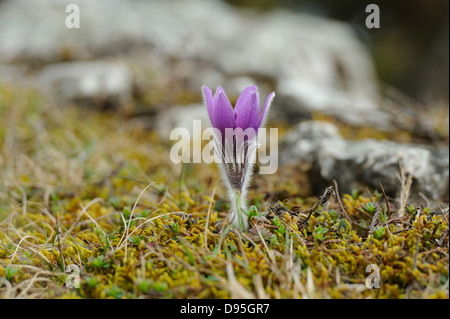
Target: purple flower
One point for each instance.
(235, 142)
(246, 113)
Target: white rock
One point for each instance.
(89, 81)
(181, 117)
(35, 30)
(314, 64)
(366, 162)
(13, 74)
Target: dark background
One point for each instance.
(410, 49)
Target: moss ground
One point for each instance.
(96, 193)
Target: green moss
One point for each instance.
(81, 176)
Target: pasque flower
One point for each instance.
(235, 142)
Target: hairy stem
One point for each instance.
(238, 216)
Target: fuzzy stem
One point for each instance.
(237, 215)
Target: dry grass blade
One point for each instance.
(406, 180)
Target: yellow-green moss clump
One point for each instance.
(96, 195)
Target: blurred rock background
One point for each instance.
(376, 97)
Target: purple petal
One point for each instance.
(223, 111)
(265, 110)
(247, 108)
(219, 89)
(207, 94)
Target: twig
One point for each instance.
(374, 220)
(278, 207)
(401, 231)
(385, 199)
(59, 242)
(149, 213)
(406, 179)
(207, 218)
(441, 241)
(416, 255)
(340, 202)
(329, 191)
(441, 250)
(362, 212)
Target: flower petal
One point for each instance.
(207, 95)
(247, 108)
(265, 110)
(223, 111)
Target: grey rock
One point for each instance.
(366, 162)
(35, 30)
(15, 75)
(181, 117)
(314, 64)
(94, 82)
(318, 65)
